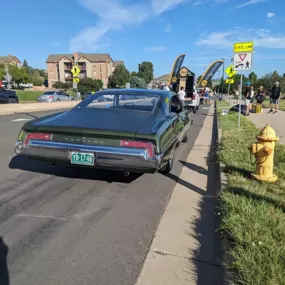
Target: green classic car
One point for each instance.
(129, 130)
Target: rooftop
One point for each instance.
(8, 58)
(99, 57)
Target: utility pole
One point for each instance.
(222, 85)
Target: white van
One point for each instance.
(195, 102)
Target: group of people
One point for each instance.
(250, 95)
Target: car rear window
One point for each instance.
(138, 102)
(48, 93)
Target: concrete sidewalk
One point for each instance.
(7, 109)
(276, 121)
(186, 248)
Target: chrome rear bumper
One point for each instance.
(118, 158)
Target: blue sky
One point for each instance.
(154, 30)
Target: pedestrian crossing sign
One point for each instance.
(75, 70)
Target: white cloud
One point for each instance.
(261, 38)
(114, 15)
(160, 6)
(217, 39)
(157, 48)
(248, 3)
(270, 15)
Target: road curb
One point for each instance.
(224, 183)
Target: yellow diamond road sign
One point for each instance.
(230, 81)
(76, 80)
(230, 72)
(75, 70)
(243, 47)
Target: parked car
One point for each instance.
(8, 96)
(26, 85)
(55, 96)
(194, 103)
(136, 135)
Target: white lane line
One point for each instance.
(205, 108)
(40, 217)
(20, 120)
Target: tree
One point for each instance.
(89, 85)
(62, 85)
(37, 80)
(19, 74)
(25, 63)
(120, 77)
(137, 82)
(199, 78)
(133, 73)
(2, 71)
(146, 71)
(253, 79)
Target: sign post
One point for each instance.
(75, 71)
(242, 62)
(230, 72)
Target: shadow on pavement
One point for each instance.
(190, 186)
(4, 273)
(208, 257)
(194, 167)
(28, 114)
(43, 167)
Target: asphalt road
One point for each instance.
(75, 226)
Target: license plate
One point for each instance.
(82, 158)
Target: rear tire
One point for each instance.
(186, 138)
(57, 100)
(12, 100)
(168, 166)
(194, 109)
(198, 107)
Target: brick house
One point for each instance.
(95, 66)
(10, 59)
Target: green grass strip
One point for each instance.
(252, 211)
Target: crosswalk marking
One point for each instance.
(20, 120)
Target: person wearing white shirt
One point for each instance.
(182, 95)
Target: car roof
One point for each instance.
(137, 91)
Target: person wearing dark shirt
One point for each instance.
(274, 98)
(247, 96)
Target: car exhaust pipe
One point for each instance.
(127, 174)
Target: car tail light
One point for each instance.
(50, 97)
(193, 97)
(143, 145)
(37, 136)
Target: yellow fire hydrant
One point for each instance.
(263, 150)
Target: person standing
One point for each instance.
(247, 96)
(251, 98)
(182, 95)
(274, 98)
(260, 97)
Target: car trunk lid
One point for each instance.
(95, 127)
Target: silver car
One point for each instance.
(55, 96)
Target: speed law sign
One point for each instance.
(242, 61)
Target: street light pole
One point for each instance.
(222, 85)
